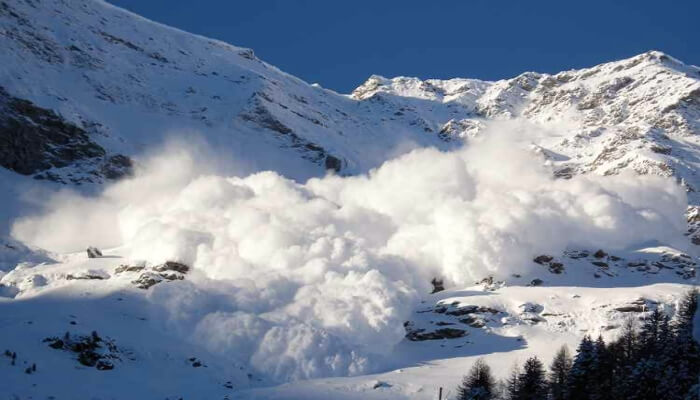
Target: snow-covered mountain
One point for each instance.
(545, 207)
(121, 83)
(640, 114)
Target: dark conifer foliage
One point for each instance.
(559, 374)
(657, 358)
(478, 384)
(582, 372)
(532, 383)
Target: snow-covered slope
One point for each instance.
(145, 352)
(641, 114)
(128, 83)
(238, 268)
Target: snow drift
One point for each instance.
(314, 279)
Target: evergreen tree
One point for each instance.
(686, 313)
(581, 374)
(601, 371)
(646, 377)
(684, 352)
(650, 335)
(478, 384)
(532, 384)
(512, 382)
(624, 352)
(559, 374)
(629, 343)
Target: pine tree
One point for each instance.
(581, 374)
(645, 378)
(559, 374)
(532, 384)
(650, 335)
(629, 343)
(601, 371)
(624, 354)
(512, 382)
(668, 387)
(686, 312)
(685, 352)
(478, 384)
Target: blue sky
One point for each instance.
(340, 43)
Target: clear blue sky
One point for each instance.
(340, 43)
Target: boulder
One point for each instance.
(172, 266)
(600, 254)
(146, 280)
(543, 259)
(93, 252)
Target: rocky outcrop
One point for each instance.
(152, 275)
(90, 350)
(88, 275)
(93, 252)
(450, 321)
(36, 141)
(418, 334)
(260, 114)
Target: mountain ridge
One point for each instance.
(303, 127)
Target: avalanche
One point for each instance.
(300, 281)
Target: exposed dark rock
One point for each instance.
(87, 275)
(600, 254)
(630, 308)
(128, 268)
(536, 282)
(116, 166)
(564, 173)
(260, 114)
(531, 307)
(172, 266)
(473, 321)
(333, 163)
(34, 139)
(195, 362)
(146, 280)
(442, 333)
(471, 309)
(247, 53)
(464, 310)
(575, 254)
(556, 267)
(380, 384)
(168, 271)
(543, 259)
(437, 285)
(636, 263)
(173, 276)
(91, 350)
(104, 365)
(93, 252)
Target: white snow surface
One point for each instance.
(302, 283)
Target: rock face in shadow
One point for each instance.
(35, 140)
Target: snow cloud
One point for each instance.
(315, 279)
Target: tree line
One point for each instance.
(658, 360)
